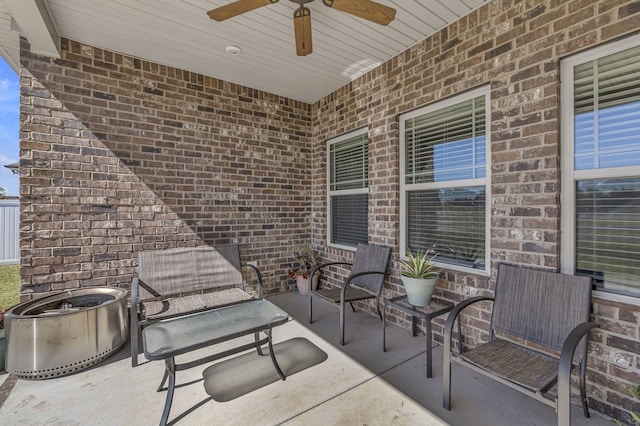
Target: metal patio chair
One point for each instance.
(539, 332)
(364, 282)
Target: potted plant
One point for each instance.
(306, 261)
(418, 277)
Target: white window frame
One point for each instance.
(331, 193)
(569, 175)
(404, 187)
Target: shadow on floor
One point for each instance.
(246, 373)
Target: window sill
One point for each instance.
(341, 247)
(617, 298)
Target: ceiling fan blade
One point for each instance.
(302, 29)
(365, 9)
(236, 8)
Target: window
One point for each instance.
(601, 166)
(348, 171)
(443, 185)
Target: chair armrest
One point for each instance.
(571, 344)
(564, 368)
(453, 315)
(259, 275)
(317, 268)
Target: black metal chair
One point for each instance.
(539, 327)
(364, 282)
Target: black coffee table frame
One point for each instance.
(167, 339)
(436, 308)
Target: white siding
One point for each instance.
(9, 231)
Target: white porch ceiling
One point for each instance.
(179, 33)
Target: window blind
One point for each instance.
(447, 144)
(608, 233)
(349, 219)
(450, 222)
(349, 165)
(607, 111)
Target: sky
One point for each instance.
(9, 126)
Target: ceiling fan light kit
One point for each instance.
(233, 50)
(365, 9)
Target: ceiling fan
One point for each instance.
(366, 9)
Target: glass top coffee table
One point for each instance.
(167, 339)
(436, 308)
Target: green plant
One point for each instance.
(306, 261)
(466, 252)
(418, 265)
(635, 392)
(9, 285)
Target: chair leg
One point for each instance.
(563, 402)
(446, 381)
(446, 372)
(583, 392)
(310, 308)
(342, 323)
(585, 404)
(134, 347)
(134, 339)
(352, 307)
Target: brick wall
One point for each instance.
(120, 155)
(515, 47)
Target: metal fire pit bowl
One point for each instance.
(65, 332)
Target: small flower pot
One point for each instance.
(419, 291)
(303, 284)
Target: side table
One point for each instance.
(436, 308)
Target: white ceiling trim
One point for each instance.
(36, 26)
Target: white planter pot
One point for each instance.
(303, 284)
(419, 291)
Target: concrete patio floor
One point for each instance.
(356, 384)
